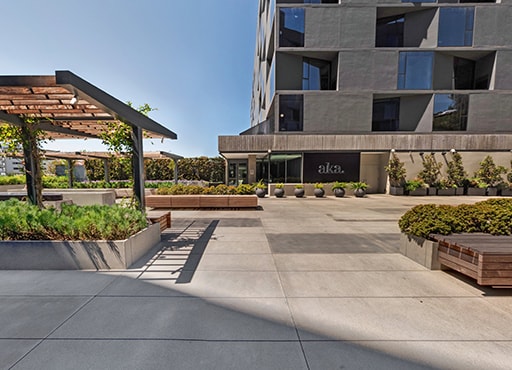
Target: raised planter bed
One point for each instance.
(420, 250)
(77, 255)
(202, 201)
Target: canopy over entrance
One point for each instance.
(67, 106)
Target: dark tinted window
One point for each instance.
(390, 32)
(316, 74)
(291, 27)
(290, 112)
(386, 115)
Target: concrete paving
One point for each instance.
(301, 284)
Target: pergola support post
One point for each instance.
(70, 173)
(106, 167)
(32, 166)
(138, 167)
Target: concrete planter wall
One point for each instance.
(77, 255)
(396, 190)
(476, 191)
(446, 192)
(420, 250)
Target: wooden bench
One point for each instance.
(483, 257)
(161, 217)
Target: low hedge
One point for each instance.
(22, 221)
(492, 216)
(181, 189)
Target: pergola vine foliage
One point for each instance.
(29, 138)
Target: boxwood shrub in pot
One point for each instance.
(299, 191)
(279, 190)
(319, 190)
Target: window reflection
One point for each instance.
(450, 112)
(290, 112)
(316, 74)
(390, 32)
(291, 27)
(415, 70)
(456, 26)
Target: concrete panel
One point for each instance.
(368, 70)
(288, 72)
(420, 29)
(174, 317)
(164, 354)
(372, 171)
(416, 113)
(348, 27)
(489, 113)
(443, 72)
(334, 112)
(503, 71)
(493, 26)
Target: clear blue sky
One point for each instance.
(192, 60)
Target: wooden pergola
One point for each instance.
(67, 106)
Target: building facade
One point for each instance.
(339, 84)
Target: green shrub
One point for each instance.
(23, 221)
(12, 180)
(182, 189)
(492, 216)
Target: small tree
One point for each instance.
(431, 170)
(456, 173)
(490, 173)
(396, 171)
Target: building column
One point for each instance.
(251, 169)
(138, 168)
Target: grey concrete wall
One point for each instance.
(443, 72)
(503, 71)
(493, 26)
(288, 71)
(416, 113)
(335, 112)
(490, 113)
(420, 29)
(336, 27)
(367, 70)
(484, 69)
(471, 161)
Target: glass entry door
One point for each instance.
(237, 172)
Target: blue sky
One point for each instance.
(192, 60)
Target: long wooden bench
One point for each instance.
(483, 257)
(201, 201)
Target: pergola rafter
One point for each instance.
(67, 106)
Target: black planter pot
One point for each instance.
(261, 193)
(299, 193)
(279, 193)
(319, 193)
(339, 193)
(359, 193)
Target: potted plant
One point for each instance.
(338, 189)
(416, 187)
(507, 191)
(319, 190)
(396, 172)
(431, 172)
(279, 190)
(299, 191)
(261, 189)
(490, 174)
(477, 187)
(359, 188)
(456, 173)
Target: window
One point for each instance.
(316, 74)
(390, 32)
(290, 112)
(386, 114)
(418, 1)
(307, 1)
(291, 27)
(450, 112)
(415, 70)
(456, 26)
(463, 74)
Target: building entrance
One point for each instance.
(237, 172)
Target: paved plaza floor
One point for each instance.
(300, 284)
